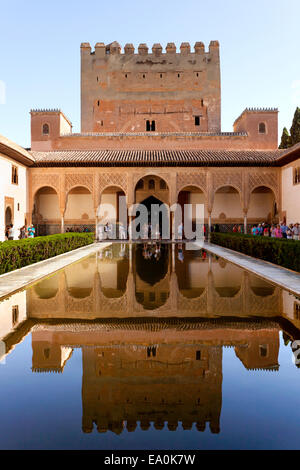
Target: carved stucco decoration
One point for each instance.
(73, 180)
(113, 179)
(39, 181)
(190, 179)
(264, 178)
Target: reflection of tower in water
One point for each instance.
(161, 384)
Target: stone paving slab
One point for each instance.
(285, 278)
(20, 278)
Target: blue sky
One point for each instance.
(40, 51)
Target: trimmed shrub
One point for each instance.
(15, 254)
(279, 251)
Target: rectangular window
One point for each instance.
(297, 311)
(15, 314)
(14, 174)
(197, 120)
(296, 175)
(263, 350)
(198, 355)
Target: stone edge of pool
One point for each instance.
(283, 277)
(21, 278)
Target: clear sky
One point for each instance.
(40, 51)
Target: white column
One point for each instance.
(245, 222)
(209, 224)
(62, 224)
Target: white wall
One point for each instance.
(290, 193)
(48, 206)
(17, 192)
(261, 205)
(78, 205)
(228, 204)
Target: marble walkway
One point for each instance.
(20, 278)
(285, 278)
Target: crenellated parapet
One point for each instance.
(143, 49)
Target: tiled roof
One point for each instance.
(15, 151)
(157, 157)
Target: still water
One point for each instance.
(150, 347)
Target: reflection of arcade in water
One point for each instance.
(151, 329)
(133, 281)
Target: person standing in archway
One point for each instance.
(11, 232)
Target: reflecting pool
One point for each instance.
(156, 346)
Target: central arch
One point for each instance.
(152, 192)
(191, 195)
(110, 211)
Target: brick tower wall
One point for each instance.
(136, 92)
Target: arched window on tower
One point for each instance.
(151, 184)
(45, 129)
(262, 128)
(140, 184)
(162, 184)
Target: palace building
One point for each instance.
(150, 131)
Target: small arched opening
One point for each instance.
(262, 206)
(79, 214)
(46, 213)
(227, 209)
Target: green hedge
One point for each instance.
(279, 251)
(15, 254)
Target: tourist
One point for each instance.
(266, 231)
(255, 230)
(22, 232)
(289, 233)
(11, 232)
(283, 229)
(235, 229)
(157, 232)
(31, 231)
(122, 232)
(259, 229)
(278, 232)
(273, 231)
(296, 231)
(145, 231)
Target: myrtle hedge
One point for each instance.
(279, 251)
(16, 254)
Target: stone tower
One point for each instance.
(145, 92)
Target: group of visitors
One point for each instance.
(237, 229)
(77, 229)
(281, 230)
(24, 232)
